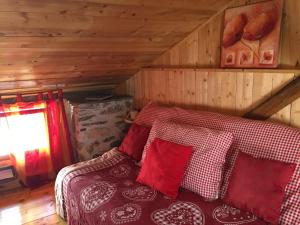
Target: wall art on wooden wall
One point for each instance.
(251, 35)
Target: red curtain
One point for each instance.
(59, 135)
(38, 137)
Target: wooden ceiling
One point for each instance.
(77, 43)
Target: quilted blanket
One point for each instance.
(104, 191)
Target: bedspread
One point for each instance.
(67, 173)
(105, 192)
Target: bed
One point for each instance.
(104, 191)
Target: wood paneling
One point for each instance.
(79, 39)
(207, 39)
(233, 93)
(229, 91)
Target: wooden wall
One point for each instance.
(202, 47)
(233, 92)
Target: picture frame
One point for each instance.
(251, 35)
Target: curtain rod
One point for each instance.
(25, 94)
(65, 90)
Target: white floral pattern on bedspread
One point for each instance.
(108, 159)
(104, 191)
(111, 196)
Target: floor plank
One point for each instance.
(30, 207)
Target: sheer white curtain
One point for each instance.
(23, 132)
(5, 137)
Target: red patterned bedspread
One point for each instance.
(111, 196)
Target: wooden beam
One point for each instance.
(32, 91)
(276, 102)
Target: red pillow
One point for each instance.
(135, 140)
(164, 166)
(258, 185)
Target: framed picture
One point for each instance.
(251, 35)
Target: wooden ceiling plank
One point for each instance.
(97, 69)
(146, 32)
(67, 74)
(106, 10)
(108, 49)
(15, 60)
(69, 68)
(22, 20)
(172, 4)
(39, 25)
(83, 42)
(75, 42)
(92, 71)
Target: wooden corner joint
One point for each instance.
(277, 101)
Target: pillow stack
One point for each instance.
(204, 172)
(195, 156)
(174, 155)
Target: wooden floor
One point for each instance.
(30, 207)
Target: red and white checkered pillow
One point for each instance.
(261, 139)
(258, 138)
(152, 111)
(204, 173)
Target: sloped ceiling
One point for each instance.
(79, 43)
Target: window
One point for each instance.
(4, 134)
(20, 133)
